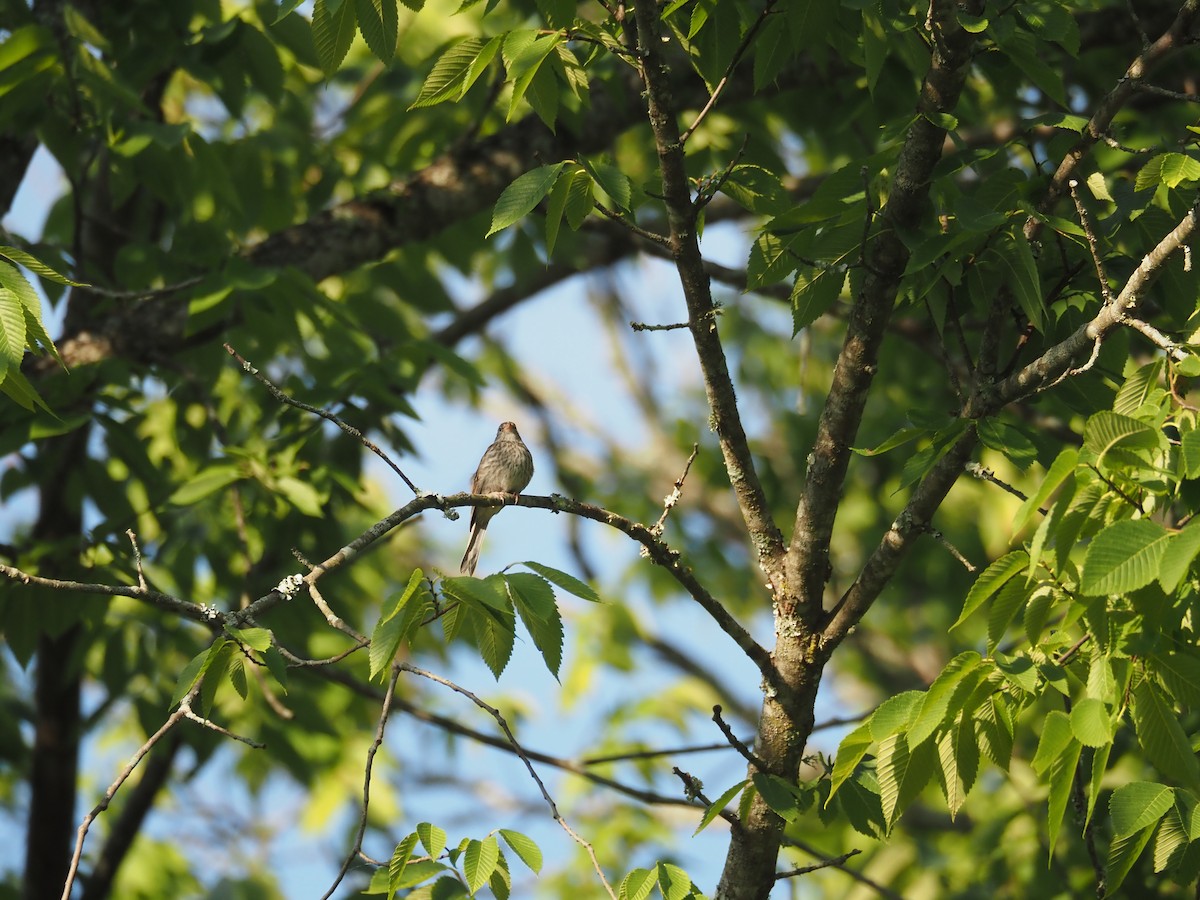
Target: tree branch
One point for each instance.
(685, 250)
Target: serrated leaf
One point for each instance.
(379, 24)
(757, 189)
(894, 714)
(399, 862)
(1107, 430)
(534, 601)
(277, 666)
(196, 669)
(612, 181)
(1123, 557)
(432, 838)
(1096, 781)
(479, 861)
(255, 638)
(1055, 739)
(991, 580)
(1123, 852)
(1177, 559)
(525, 848)
(35, 265)
(1062, 781)
(902, 774)
(1009, 600)
(1162, 737)
(568, 583)
(12, 330)
(1098, 187)
(718, 806)
(521, 197)
(813, 295)
(1189, 452)
(1180, 672)
(777, 794)
(850, 752)
(1091, 723)
(1138, 805)
(935, 706)
(994, 730)
(673, 882)
(637, 885)
(333, 32)
(1018, 269)
(1061, 469)
(447, 80)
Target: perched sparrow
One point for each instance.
(506, 468)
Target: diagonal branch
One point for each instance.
(685, 250)
(886, 259)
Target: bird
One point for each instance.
(506, 468)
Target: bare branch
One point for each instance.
(323, 413)
(384, 712)
(685, 249)
(823, 864)
(520, 751)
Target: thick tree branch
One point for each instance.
(808, 560)
(685, 249)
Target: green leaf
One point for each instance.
(1177, 558)
(448, 79)
(612, 181)
(812, 296)
(991, 580)
(717, 806)
(894, 714)
(1189, 452)
(1138, 805)
(673, 882)
(1106, 430)
(399, 862)
(1122, 854)
(1091, 723)
(12, 330)
(333, 32)
(902, 774)
(936, 705)
(534, 601)
(379, 24)
(757, 189)
(255, 638)
(196, 669)
(1169, 169)
(479, 861)
(1008, 601)
(1098, 187)
(433, 839)
(525, 848)
(637, 885)
(1055, 740)
(399, 616)
(277, 667)
(35, 265)
(994, 729)
(523, 195)
(568, 583)
(777, 794)
(850, 753)
(1123, 557)
(1162, 737)
(1096, 782)
(1061, 469)
(1180, 672)
(495, 635)
(1062, 782)
(207, 482)
(1018, 269)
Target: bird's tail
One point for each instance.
(471, 557)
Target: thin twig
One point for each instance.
(520, 751)
(137, 559)
(323, 413)
(950, 548)
(384, 712)
(81, 834)
(672, 498)
(189, 713)
(1093, 242)
(737, 745)
(652, 236)
(823, 864)
(747, 39)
